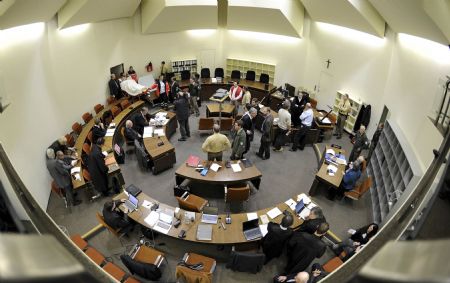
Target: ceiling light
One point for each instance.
(352, 35)
(201, 32)
(270, 37)
(423, 47)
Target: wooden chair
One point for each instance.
(313, 103)
(98, 108)
(87, 148)
(205, 124)
(110, 100)
(264, 78)
(77, 128)
(237, 193)
(189, 275)
(332, 264)
(360, 190)
(79, 242)
(96, 256)
(191, 202)
(59, 192)
(87, 117)
(124, 104)
(226, 124)
(114, 271)
(115, 111)
(70, 140)
(148, 255)
(131, 279)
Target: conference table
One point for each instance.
(224, 176)
(233, 234)
(219, 110)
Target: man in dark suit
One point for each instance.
(249, 126)
(303, 248)
(313, 221)
(140, 120)
(114, 87)
(98, 131)
(174, 89)
(97, 168)
(182, 111)
(115, 218)
(276, 237)
(130, 133)
(317, 273)
(266, 137)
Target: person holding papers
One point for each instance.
(98, 131)
(306, 121)
(130, 133)
(181, 106)
(216, 144)
(115, 218)
(276, 237)
(239, 141)
(344, 108)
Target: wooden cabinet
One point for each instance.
(184, 65)
(244, 66)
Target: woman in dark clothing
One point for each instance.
(276, 237)
(359, 238)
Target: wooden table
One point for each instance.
(232, 235)
(218, 110)
(163, 156)
(322, 175)
(224, 176)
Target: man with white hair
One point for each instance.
(306, 120)
(361, 142)
(130, 133)
(301, 277)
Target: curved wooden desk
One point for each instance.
(232, 235)
(223, 176)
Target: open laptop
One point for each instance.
(299, 207)
(164, 223)
(131, 203)
(251, 230)
(209, 215)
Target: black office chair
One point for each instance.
(185, 75)
(218, 73)
(235, 75)
(250, 76)
(169, 76)
(205, 74)
(264, 78)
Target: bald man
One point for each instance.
(216, 144)
(301, 277)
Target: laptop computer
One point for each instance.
(299, 207)
(209, 215)
(164, 223)
(133, 190)
(251, 230)
(131, 203)
(204, 232)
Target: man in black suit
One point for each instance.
(174, 89)
(248, 126)
(276, 237)
(140, 120)
(266, 137)
(182, 111)
(114, 87)
(115, 218)
(98, 131)
(130, 133)
(303, 248)
(313, 221)
(317, 273)
(97, 168)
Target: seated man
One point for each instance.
(350, 178)
(313, 221)
(115, 218)
(301, 277)
(130, 133)
(216, 144)
(356, 240)
(317, 273)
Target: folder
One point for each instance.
(193, 161)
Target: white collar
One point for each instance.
(283, 228)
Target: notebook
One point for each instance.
(204, 232)
(193, 161)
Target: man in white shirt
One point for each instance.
(284, 126)
(306, 121)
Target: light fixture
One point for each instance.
(201, 32)
(269, 37)
(352, 35)
(11, 36)
(74, 30)
(426, 48)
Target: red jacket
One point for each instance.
(156, 85)
(238, 94)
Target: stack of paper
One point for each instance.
(215, 167)
(330, 151)
(291, 203)
(264, 219)
(110, 132)
(148, 132)
(252, 216)
(274, 212)
(236, 167)
(263, 229)
(147, 204)
(152, 218)
(159, 132)
(304, 197)
(331, 169)
(326, 121)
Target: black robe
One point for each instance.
(98, 169)
(97, 133)
(248, 125)
(115, 218)
(310, 225)
(274, 241)
(302, 249)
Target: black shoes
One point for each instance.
(181, 139)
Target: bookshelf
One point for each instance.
(244, 66)
(353, 115)
(183, 65)
(394, 171)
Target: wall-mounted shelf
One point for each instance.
(244, 66)
(184, 65)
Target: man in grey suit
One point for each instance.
(60, 172)
(266, 137)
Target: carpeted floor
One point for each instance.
(285, 174)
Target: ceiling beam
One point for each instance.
(439, 12)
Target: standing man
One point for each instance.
(306, 120)
(98, 131)
(133, 74)
(303, 248)
(235, 94)
(182, 111)
(140, 121)
(344, 108)
(60, 172)
(277, 235)
(266, 137)
(249, 126)
(361, 142)
(216, 144)
(193, 91)
(163, 89)
(239, 141)
(164, 69)
(199, 88)
(97, 168)
(246, 98)
(375, 139)
(114, 87)
(174, 89)
(284, 126)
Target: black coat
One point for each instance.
(274, 241)
(358, 236)
(115, 218)
(139, 122)
(266, 129)
(365, 119)
(97, 169)
(114, 87)
(182, 108)
(302, 249)
(131, 134)
(97, 133)
(248, 125)
(310, 225)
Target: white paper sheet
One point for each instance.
(263, 229)
(330, 151)
(252, 216)
(159, 132)
(75, 170)
(274, 212)
(236, 167)
(304, 213)
(304, 197)
(152, 218)
(291, 203)
(215, 167)
(77, 176)
(110, 132)
(148, 132)
(264, 219)
(332, 168)
(147, 204)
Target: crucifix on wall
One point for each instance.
(328, 63)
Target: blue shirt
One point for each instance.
(350, 178)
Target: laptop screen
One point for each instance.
(247, 225)
(300, 205)
(133, 200)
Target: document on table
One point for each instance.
(236, 167)
(274, 212)
(159, 132)
(152, 218)
(215, 167)
(332, 169)
(148, 132)
(110, 132)
(264, 219)
(304, 197)
(291, 203)
(77, 176)
(304, 213)
(252, 216)
(75, 170)
(263, 229)
(147, 204)
(326, 121)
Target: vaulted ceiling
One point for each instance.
(424, 18)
